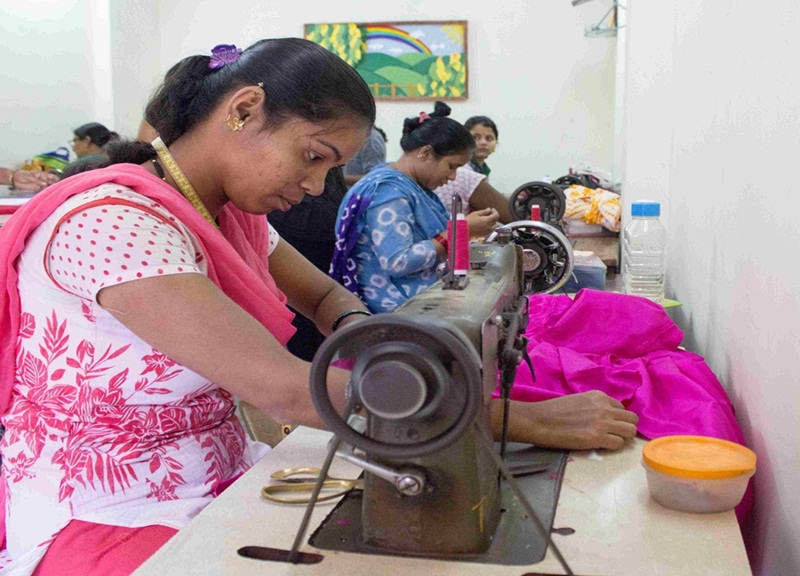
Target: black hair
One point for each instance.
(483, 120)
(301, 79)
(383, 134)
(443, 134)
(98, 134)
(84, 164)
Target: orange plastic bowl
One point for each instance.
(697, 473)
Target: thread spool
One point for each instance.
(461, 245)
(536, 213)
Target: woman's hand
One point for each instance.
(574, 422)
(481, 222)
(32, 180)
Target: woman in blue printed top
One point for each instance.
(390, 226)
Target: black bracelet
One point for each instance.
(344, 315)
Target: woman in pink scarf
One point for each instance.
(138, 303)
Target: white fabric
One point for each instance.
(464, 185)
(103, 427)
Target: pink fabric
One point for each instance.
(236, 258)
(83, 548)
(627, 347)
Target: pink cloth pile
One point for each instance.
(627, 347)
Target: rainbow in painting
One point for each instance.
(391, 33)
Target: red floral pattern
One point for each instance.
(102, 418)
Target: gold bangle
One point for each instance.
(11, 180)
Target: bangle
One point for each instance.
(11, 180)
(344, 315)
(441, 240)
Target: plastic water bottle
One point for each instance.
(643, 252)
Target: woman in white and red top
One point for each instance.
(130, 319)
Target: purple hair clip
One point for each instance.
(223, 54)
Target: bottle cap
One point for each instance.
(645, 208)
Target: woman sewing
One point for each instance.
(389, 241)
(142, 298)
(391, 225)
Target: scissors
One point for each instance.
(292, 480)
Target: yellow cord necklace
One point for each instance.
(180, 179)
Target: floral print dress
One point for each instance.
(103, 427)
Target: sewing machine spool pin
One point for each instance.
(451, 280)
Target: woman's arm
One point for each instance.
(486, 196)
(311, 292)
(574, 422)
(188, 318)
(398, 253)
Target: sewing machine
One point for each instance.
(423, 376)
(418, 418)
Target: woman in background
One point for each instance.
(390, 224)
(476, 194)
(90, 138)
(484, 131)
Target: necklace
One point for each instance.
(180, 179)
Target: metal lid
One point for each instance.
(698, 457)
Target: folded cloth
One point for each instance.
(593, 206)
(627, 347)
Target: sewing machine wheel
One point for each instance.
(547, 257)
(579, 179)
(550, 199)
(403, 357)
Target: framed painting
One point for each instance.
(402, 60)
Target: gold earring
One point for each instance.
(234, 123)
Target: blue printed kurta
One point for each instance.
(385, 228)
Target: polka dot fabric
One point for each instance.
(102, 245)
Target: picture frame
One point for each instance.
(409, 60)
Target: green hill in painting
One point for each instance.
(423, 66)
(401, 76)
(376, 60)
(411, 59)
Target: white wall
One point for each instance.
(48, 76)
(548, 87)
(712, 123)
(135, 60)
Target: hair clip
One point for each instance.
(223, 54)
(423, 116)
